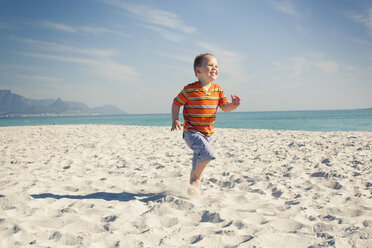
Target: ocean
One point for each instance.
(324, 120)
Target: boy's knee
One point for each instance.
(207, 154)
(204, 154)
(201, 147)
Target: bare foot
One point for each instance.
(195, 183)
(194, 188)
(193, 191)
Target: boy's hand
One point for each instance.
(235, 100)
(231, 106)
(176, 125)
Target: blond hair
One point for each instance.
(198, 61)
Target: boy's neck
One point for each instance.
(203, 84)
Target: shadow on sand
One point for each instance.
(106, 196)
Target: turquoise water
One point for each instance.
(332, 120)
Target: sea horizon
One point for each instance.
(304, 120)
(160, 113)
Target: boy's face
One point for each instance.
(208, 71)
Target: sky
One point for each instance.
(138, 55)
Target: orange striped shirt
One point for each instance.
(200, 106)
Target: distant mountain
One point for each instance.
(108, 110)
(13, 104)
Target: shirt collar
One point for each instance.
(202, 89)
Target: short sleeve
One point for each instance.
(223, 99)
(182, 98)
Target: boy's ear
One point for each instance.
(197, 70)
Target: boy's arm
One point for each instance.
(176, 124)
(231, 106)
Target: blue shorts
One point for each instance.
(200, 145)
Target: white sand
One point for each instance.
(125, 186)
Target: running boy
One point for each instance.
(201, 100)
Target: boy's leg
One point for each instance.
(203, 152)
(195, 175)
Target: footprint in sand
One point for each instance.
(169, 222)
(286, 225)
(55, 236)
(211, 217)
(107, 220)
(196, 239)
(110, 218)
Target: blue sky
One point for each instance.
(138, 55)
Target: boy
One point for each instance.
(201, 100)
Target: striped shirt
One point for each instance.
(200, 106)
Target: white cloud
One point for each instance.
(358, 41)
(366, 19)
(61, 58)
(70, 49)
(104, 67)
(300, 65)
(97, 61)
(318, 60)
(300, 29)
(8, 67)
(40, 78)
(98, 31)
(116, 71)
(326, 66)
(314, 65)
(180, 56)
(166, 34)
(59, 26)
(285, 6)
(316, 55)
(153, 16)
(5, 26)
(76, 29)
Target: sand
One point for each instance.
(126, 186)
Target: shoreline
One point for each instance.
(163, 127)
(10, 115)
(305, 121)
(117, 185)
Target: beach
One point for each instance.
(126, 186)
